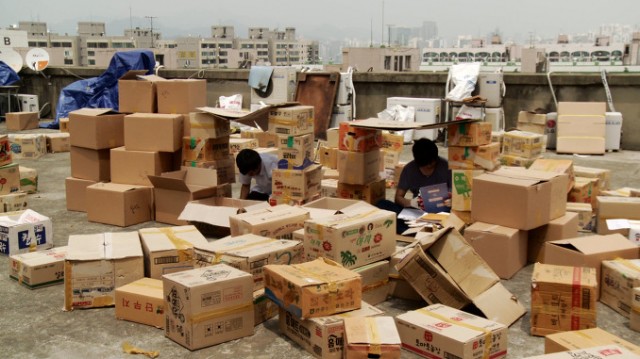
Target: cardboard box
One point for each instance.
(169, 249)
(265, 139)
(75, 189)
(324, 207)
(24, 231)
(295, 149)
(296, 184)
(292, 120)
(90, 164)
(329, 188)
(28, 146)
(532, 122)
(583, 339)
(238, 144)
(469, 134)
(323, 337)
(616, 208)
(522, 144)
(333, 135)
(392, 141)
(634, 318)
(91, 273)
(443, 268)
(462, 189)
(371, 337)
(439, 331)
(371, 193)
(399, 287)
(133, 167)
(63, 122)
(58, 142)
(313, 289)
(10, 175)
(604, 175)
(38, 269)
(375, 281)
(249, 253)
(388, 159)
(211, 215)
(611, 351)
(556, 166)
(272, 222)
(504, 249)
(358, 167)
(328, 173)
(589, 251)
(96, 128)
(581, 127)
(181, 96)
(328, 157)
(16, 201)
(28, 179)
(172, 191)
(206, 125)
(208, 306)
(19, 121)
(584, 190)
(141, 301)
(118, 204)
(263, 308)
(137, 92)
(225, 168)
(6, 156)
(166, 135)
(358, 139)
(619, 277)
(562, 298)
(586, 218)
(516, 161)
(559, 228)
(358, 236)
(205, 149)
(481, 157)
(519, 198)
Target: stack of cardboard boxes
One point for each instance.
(11, 198)
(521, 148)
(391, 149)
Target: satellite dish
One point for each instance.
(37, 59)
(12, 58)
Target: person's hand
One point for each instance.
(416, 202)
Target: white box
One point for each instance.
(427, 111)
(25, 231)
(613, 130)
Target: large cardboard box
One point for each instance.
(604, 175)
(313, 289)
(589, 251)
(25, 231)
(556, 166)
(581, 127)
(358, 139)
(10, 175)
(358, 167)
(586, 218)
(166, 135)
(469, 134)
(323, 337)
(272, 222)
(90, 164)
(562, 298)
(58, 142)
(28, 146)
(181, 96)
(19, 121)
(211, 215)
(133, 167)
(585, 338)
(97, 264)
(609, 207)
(295, 184)
(16, 201)
(503, 248)
(141, 301)
(169, 249)
(619, 277)
(292, 120)
(439, 331)
(375, 281)
(522, 144)
(611, 351)
(76, 194)
(119, 204)
(250, 253)
(225, 168)
(208, 306)
(371, 192)
(6, 156)
(38, 269)
(519, 198)
(480, 157)
(96, 128)
(137, 92)
(205, 149)
(371, 337)
(462, 189)
(172, 191)
(559, 228)
(443, 268)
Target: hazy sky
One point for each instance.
(331, 18)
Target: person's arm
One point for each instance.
(244, 191)
(400, 199)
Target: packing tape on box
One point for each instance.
(332, 287)
(152, 285)
(184, 247)
(236, 309)
(375, 345)
(375, 285)
(487, 333)
(627, 264)
(68, 293)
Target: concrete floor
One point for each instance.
(34, 325)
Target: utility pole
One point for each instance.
(151, 18)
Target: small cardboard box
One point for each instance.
(292, 120)
(582, 339)
(439, 331)
(610, 207)
(238, 144)
(133, 167)
(313, 289)
(532, 122)
(469, 134)
(96, 128)
(16, 201)
(328, 157)
(28, 179)
(296, 184)
(181, 96)
(249, 253)
(329, 188)
(358, 236)
(211, 215)
(58, 142)
(206, 125)
(503, 248)
(19, 121)
(375, 281)
(119, 204)
(38, 269)
(392, 142)
(371, 337)
(205, 149)
(586, 218)
(28, 146)
(141, 301)
(480, 157)
(76, 193)
(169, 249)
(90, 164)
(619, 277)
(462, 189)
(10, 176)
(97, 264)
(64, 124)
(272, 222)
(562, 298)
(604, 175)
(24, 231)
(323, 337)
(611, 351)
(358, 167)
(522, 144)
(371, 193)
(225, 168)
(634, 318)
(137, 92)
(559, 228)
(519, 198)
(166, 135)
(208, 306)
(516, 161)
(584, 190)
(556, 166)
(6, 156)
(358, 139)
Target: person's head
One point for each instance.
(249, 162)
(425, 154)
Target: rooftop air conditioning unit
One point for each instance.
(281, 87)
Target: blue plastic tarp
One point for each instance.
(102, 91)
(7, 75)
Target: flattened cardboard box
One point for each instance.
(97, 264)
(96, 128)
(169, 249)
(582, 339)
(19, 121)
(141, 301)
(619, 277)
(208, 306)
(250, 253)
(25, 231)
(166, 135)
(559, 228)
(611, 351)
(211, 215)
(371, 337)
(38, 269)
(137, 93)
(323, 337)
(12, 202)
(439, 331)
(313, 289)
(119, 204)
(375, 281)
(503, 248)
(269, 222)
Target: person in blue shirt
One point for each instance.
(256, 166)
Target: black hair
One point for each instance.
(425, 152)
(248, 160)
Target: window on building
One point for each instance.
(223, 61)
(67, 53)
(103, 45)
(407, 62)
(42, 44)
(387, 62)
(223, 53)
(92, 62)
(91, 53)
(92, 45)
(68, 61)
(32, 44)
(67, 44)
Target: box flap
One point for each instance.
(499, 305)
(169, 181)
(151, 78)
(172, 238)
(258, 118)
(132, 74)
(216, 210)
(94, 111)
(122, 245)
(202, 177)
(104, 246)
(595, 244)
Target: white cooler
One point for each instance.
(613, 130)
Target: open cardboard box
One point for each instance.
(211, 215)
(258, 119)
